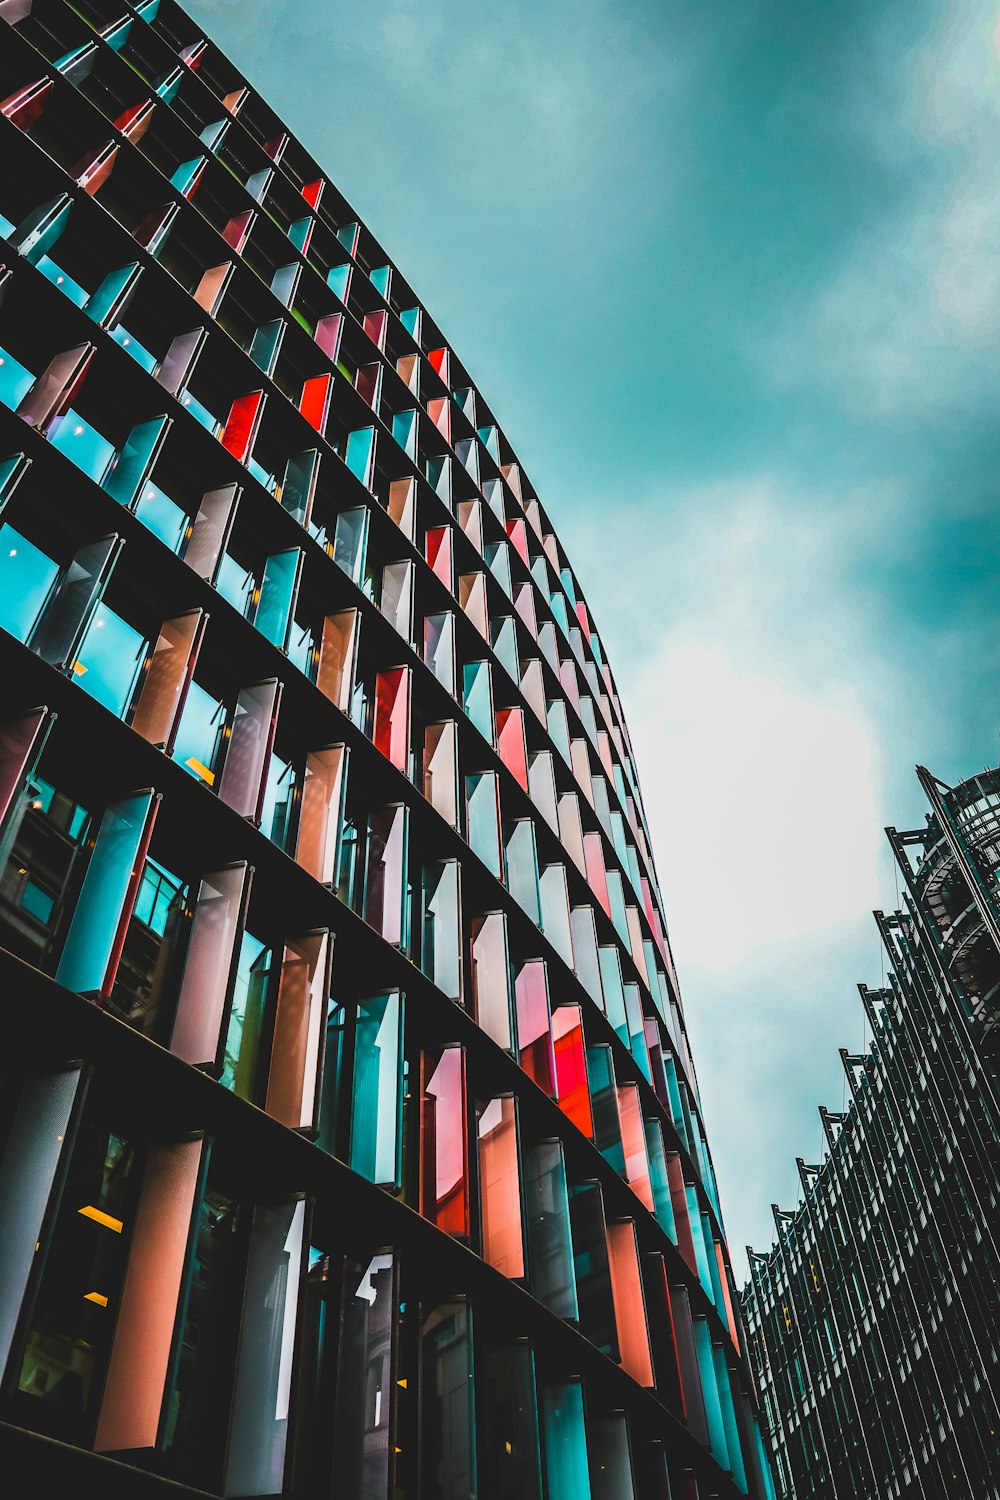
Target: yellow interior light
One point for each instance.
(100, 1217)
(97, 1297)
(200, 770)
(79, 670)
(402, 1383)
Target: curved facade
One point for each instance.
(873, 1319)
(352, 1144)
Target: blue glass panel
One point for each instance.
(380, 279)
(197, 740)
(404, 430)
(477, 697)
(184, 175)
(298, 233)
(83, 444)
(15, 381)
(347, 234)
(109, 660)
(350, 542)
(63, 280)
(284, 282)
(410, 320)
(360, 455)
(567, 1472)
(87, 950)
(200, 413)
(698, 1236)
(710, 1390)
(338, 278)
(26, 576)
(505, 645)
(277, 596)
(213, 133)
(265, 344)
(128, 341)
(164, 519)
(659, 1182)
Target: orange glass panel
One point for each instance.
(444, 1176)
(303, 991)
(198, 1034)
(439, 411)
(572, 1090)
(634, 1144)
(144, 1331)
(472, 598)
(94, 169)
(630, 1309)
(534, 1036)
(320, 813)
(242, 424)
(500, 1187)
(338, 647)
(402, 507)
(392, 716)
(678, 1202)
(720, 1261)
(511, 745)
(167, 674)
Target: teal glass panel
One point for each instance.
(164, 519)
(110, 295)
(511, 1436)
(213, 133)
(601, 804)
(246, 1018)
(560, 611)
(186, 173)
(698, 1236)
(200, 413)
(377, 1104)
(590, 1262)
(147, 12)
(404, 430)
(540, 573)
(131, 345)
(117, 36)
(550, 1251)
(273, 617)
(710, 1390)
(302, 651)
(604, 1106)
(360, 455)
(439, 648)
(483, 820)
(522, 869)
(632, 869)
(87, 951)
(447, 1404)
(130, 468)
(76, 65)
(338, 279)
(504, 633)
(477, 698)
(299, 484)
(109, 660)
(63, 280)
(15, 381)
(42, 229)
(490, 439)
(380, 279)
(350, 542)
(196, 743)
(655, 978)
(713, 1266)
(279, 798)
(619, 781)
(265, 344)
(674, 1094)
(235, 583)
(497, 555)
(83, 444)
(656, 1156)
(567, 1472)
(410, 320)
(614, 991)
(26, 578)
(347, 234)
(441, 946)
(168, 84)
(299, 233)
(12, 471)
(587, 715)
(618, 837)
(283, 283)
(558, 727)
(636, 1030)
(439, 477)
(6, 227)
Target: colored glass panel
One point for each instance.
(500, 1187)
(491, 985)
(444, 1178)
(377, 1112)
(534, 1035)
(572, 1088)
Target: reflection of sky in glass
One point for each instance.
(26, 575)
(109, 660)
(15, 380)
(164, 519)
(81, 443)
(197, 733)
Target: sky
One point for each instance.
(728, 273)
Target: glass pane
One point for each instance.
(511, 745)
(303, 988)
(386, 874)
(273, 617)
(163, 518)
(210, 966)
(444, 1179)
(166, 676)
(590, 1260)
(350, 543)
(246, 1018)
(630, 1309)
(483, 817)
(572, 1088)
(567, 1474)
(82, 444)
(547, 1217)
(377, 1106)
(27, 576)
(554, 895)
(447, 1389)
(245, 767)
(198, 735)
(442, 928)
(335, 674)
(321, 813)
(610, 1464)
(73, 601)
(397, 597)
(500, 1187)
(522, 869)
(439, 648)
(491, 987)
(298, 486)
(391, 732)
(360, 454)
(109, 660)
(659, 1181)
(614, 991)
(210, 532)
(104, 903)
(441, 770)
(477, 697)
(366, 1385)
(130, 468)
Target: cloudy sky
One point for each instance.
(728, 272)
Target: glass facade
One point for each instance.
(350, 1143)
(873, 1321)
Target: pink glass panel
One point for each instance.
(236, 231)
(534, 1037)
(242, 423)
(315, 402)
(510, 743)
(440, 770)
(244, 770)
(597, 879)
(500, 1188)
(175, 366)
(472, 598)
(166, 678)
(209, 966)
(319, 816)
(208, 292)
(634, 1144)
(335, 674)
(630, 1309)
(328, 334)
(438, 551)
(54, 390)
(518, 533)
(392, 716)
(439, 411)
(524, 603)
(444, 1178)
(20, 742)
(303, 991)
(210, 530)
(491, 977)
(569, 1051)
(144, 1330)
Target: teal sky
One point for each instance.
(729, 275)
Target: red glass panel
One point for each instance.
(510, 743)
(500, 1188)
(630, 1309)
(367, 383)
(93, 170)
(134, 122)
(242, 424)
(438, 551)
(569, 1050)
(375, 326)
(193, 55)
(315, 402)
(313, 191)
(440, 362)
(392, 716)
(444, 1178)
(155, 224)
(25, 106)
(274, 148)
(236, 231)
(534, 1036)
